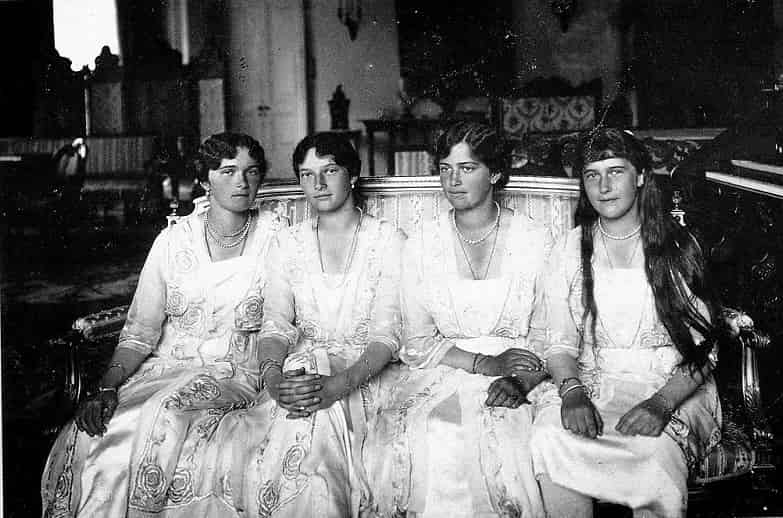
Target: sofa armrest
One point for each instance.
(100, 324)
(89, 345)
(742, 331)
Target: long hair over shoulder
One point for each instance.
(674, 263)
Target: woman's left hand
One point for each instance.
(647, 418)
(505, 392)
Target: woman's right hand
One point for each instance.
(579, 415)
(509, 363)
(94, 414)
(296, 391)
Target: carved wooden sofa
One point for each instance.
(409, 201)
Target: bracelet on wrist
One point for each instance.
(476, 360)
(117, 365)
(270, 363)
(566, 381)
(571, 389)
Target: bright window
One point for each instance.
(82, 28)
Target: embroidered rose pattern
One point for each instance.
(268, 498)
(176, 301)
(152, 481)
(181, 487)
(293, 460)
(249, 313)
(185, 261)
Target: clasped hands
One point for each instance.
(510, 390)
(581, 417)
(303, 394)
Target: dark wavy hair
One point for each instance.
(338, 147)
(674, 262)
(485, 143)
(227, 145)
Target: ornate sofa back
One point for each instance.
(407, 201)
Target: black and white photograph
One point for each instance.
(391, 258)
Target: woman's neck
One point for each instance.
(226, 221)
(621, 226)
(340, 219)
(478, 217)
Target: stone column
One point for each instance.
(247, 62)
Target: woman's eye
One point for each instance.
(331, 171)
(253, 172)
(468, 169)
(227, 171)
(589, 176)
(445, 170)
(305, 174)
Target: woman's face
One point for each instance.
(612, 186)
(326, 184)
(466, 181)
(234, 184)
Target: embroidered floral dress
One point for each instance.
(309, 467)
(434, 448)
(198, 321)
(632, 358)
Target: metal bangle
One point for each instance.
(571, 388)
(477, 359)
(117, 365)
(268, 364)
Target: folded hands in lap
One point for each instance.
(302, 394)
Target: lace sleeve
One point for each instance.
(279, 309)
(386, 325)
(422, 344)
(537, 327)
(147, 313)
(562, 334)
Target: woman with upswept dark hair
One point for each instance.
(142, 444)
(629, 345)
(452, 439)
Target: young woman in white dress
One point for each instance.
(187, 355)
(331, 324)
(452, 437)
(629, 308)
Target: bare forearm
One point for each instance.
(683, 384)
(459, 359)
(124, 363)
(272, 352)
(561, 367)
(372, 361)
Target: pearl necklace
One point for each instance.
(225, 241)
(615, 237)
(474, 242)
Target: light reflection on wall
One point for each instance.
(83, 27)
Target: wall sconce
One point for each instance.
(564, 10)
(350, 14)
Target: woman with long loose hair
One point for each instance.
(629, 345)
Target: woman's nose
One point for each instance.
(320, 183)
(603, 184)
(455, 178)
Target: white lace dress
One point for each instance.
(310, 467)
(199, 321)
(631, 359)
(434, 448)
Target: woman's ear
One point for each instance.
(495, 178)
(640, 180)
